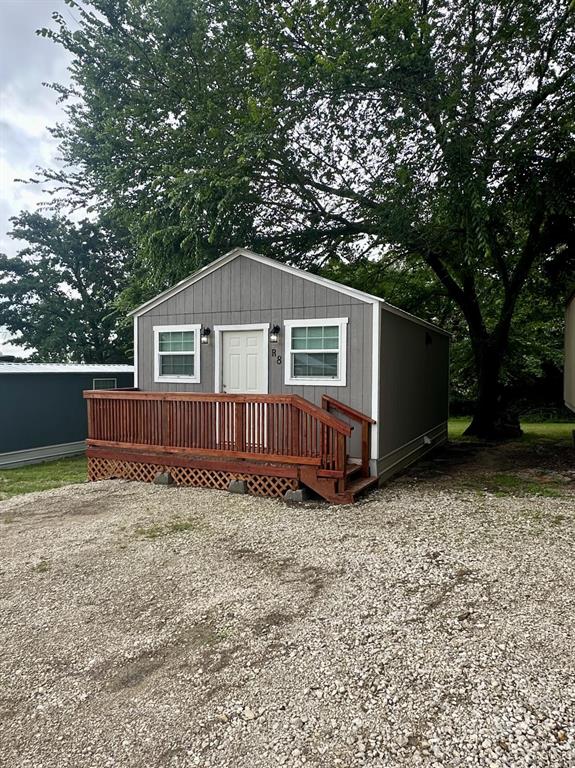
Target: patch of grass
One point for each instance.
(42, 477)
(456, 428)
(502, 485)
(533, 432)
(166, 529)
(41, 567)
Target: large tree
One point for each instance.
(437, 134)
(57, 296)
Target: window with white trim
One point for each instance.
(316, 351)
(177, 353)
(104, 383)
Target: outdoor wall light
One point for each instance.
(275, 334)
(205, 334)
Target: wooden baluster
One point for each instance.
(240, 426)
(341, 461)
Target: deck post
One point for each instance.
(240, 426)
(365, 444)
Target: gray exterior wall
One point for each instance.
(413, 393)
(44, 409)
(245, 291)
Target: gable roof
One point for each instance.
(236, 252)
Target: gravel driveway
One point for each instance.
(148, 626)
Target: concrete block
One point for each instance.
(299, 495)
(163, 478)
(238, 486)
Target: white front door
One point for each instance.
(243, 369)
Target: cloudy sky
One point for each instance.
(26, 106)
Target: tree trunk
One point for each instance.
(492, 419)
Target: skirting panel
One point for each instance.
(258, 485)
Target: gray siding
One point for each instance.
(414, 381)
(245, 291)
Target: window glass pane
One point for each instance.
(316, 337)
(322, 364)
(176, 365)
(104, 384)
(299, 338)
(176, 341)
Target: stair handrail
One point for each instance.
(366, 421)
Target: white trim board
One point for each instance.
(43, 453)
(136, 352)
(218, 330)
(323, 281)
(375, 380)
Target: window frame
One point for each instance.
(319, 381)
(105, 378)
(173, 378)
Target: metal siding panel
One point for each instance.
(276, 292)
(320, 297)
(33, 404)
(308, 294)
(297, 293)
(226, 289)
(235, 279)
(287, 289)
(265, 287)
(245, 287)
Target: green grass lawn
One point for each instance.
(533, 432)
(41, 477)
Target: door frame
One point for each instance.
(218, 330)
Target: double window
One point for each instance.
(176, 353)
(316, 351)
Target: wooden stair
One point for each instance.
(343, 487)
(344, 490)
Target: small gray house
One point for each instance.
(42, 411)
(269, 366)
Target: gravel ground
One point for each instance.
(166, 627)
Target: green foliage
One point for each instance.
(441, 133)
(58, 294)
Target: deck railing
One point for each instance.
(365, 422)
(267, 428)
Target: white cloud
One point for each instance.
(27, 108)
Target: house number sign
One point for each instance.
(277, 357)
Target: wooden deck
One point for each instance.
(273, 442)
